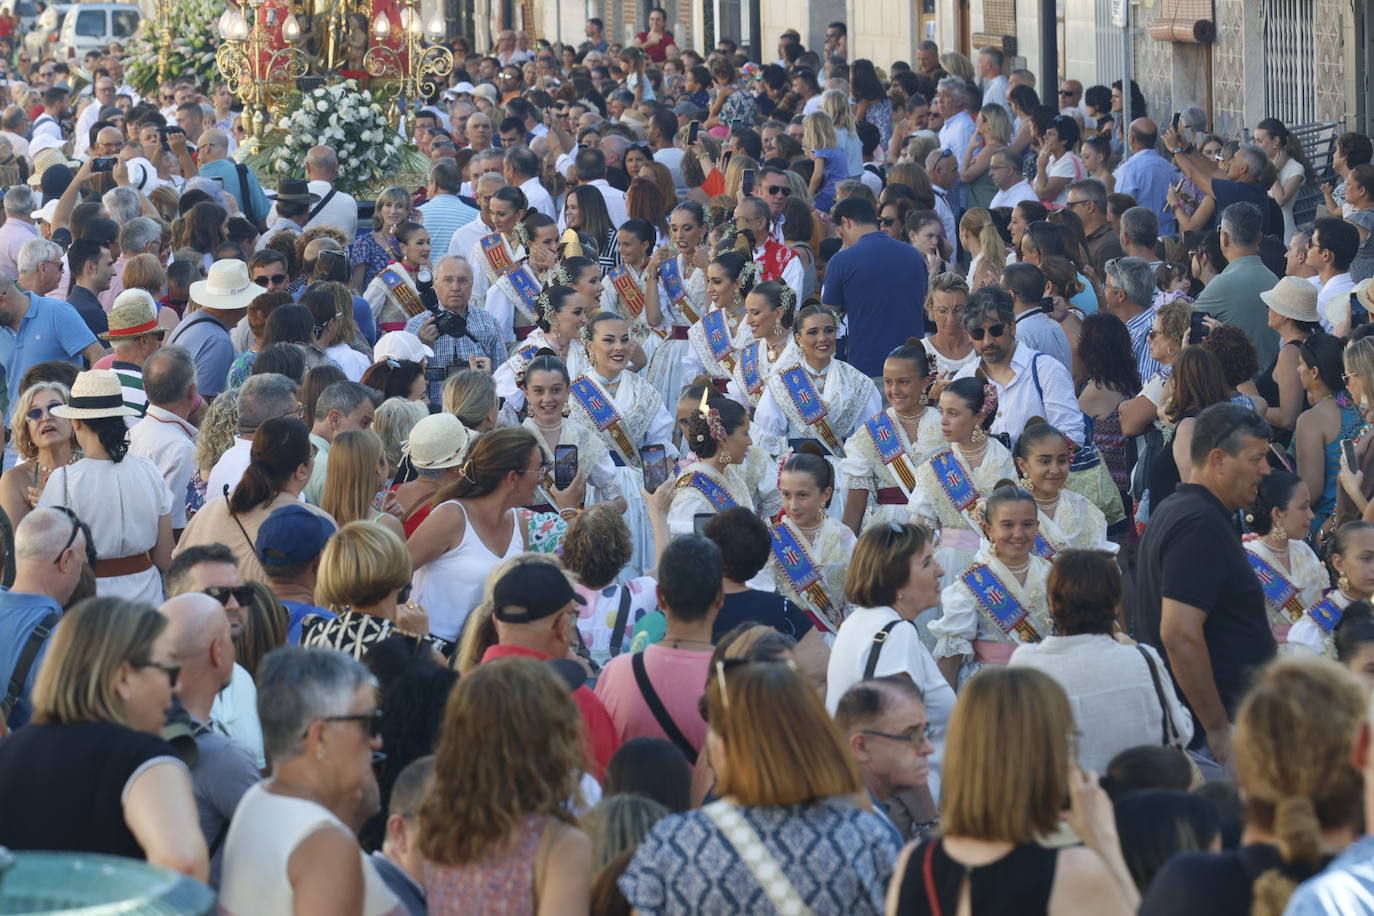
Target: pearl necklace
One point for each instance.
(974, 455)
(909, 419)
(45, 470)
(812, 530)
(1019, 570)
(548, 429)
(1276, 550)
(1046, 505)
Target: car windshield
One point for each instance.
(90, 23)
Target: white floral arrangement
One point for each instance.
(191, 52)
(351, 121)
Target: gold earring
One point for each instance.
(726, 457)
(924, 399)
(1024, 483)
(1280, 533)
(1343, 583)
(979, 434)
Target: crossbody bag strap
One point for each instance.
(1167, 725)
(324, 202)
(876, 648)
(756, 857)
(20, 675)
(661, 716)
(622, 617)
(248, 209)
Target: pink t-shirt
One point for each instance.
(678, 677)
(105, 362)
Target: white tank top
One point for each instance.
(450, 586)
(266, 829)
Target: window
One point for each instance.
(125, 22)
(90, 23)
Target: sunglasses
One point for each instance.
(782, 189)
(370, 721)
(172, 671)
(1064, 92)
(36, 413)
(886, 221)
(995, 330)
(273, 280)
(243, 594)
(78, 527)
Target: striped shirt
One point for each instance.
(445, 215)
(1139, 329)
(131, 388)
(452, 353)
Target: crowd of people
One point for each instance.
(725, 486)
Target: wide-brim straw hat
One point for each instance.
(1293, 297)
(226, 287)
(438, 441)
(134, 314)
(95, 394)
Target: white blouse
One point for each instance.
(1077, 524)
(1303, 570)
(864, 468)
(752, 484)
(964, 619)
(850, 398)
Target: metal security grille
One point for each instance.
(999, 17)
(1289, 61)
(1110, 49)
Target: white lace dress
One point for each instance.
(967, 606)
(889, 495)
(668, 369)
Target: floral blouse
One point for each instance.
(366, 251)
(739, 109)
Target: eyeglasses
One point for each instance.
(922, 734)
(995, 330)
(172, 671)
(36, 413)
(782, 189)
(243, 594)
(886, 221)
(78, 526)
(544, 468)
(1347, 376)
(273, 280)
(947, 312)
(1074, 203)
(1064, 92)
(370, 721)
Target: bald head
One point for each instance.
(194, 622)
(1144, 134)
(477, 120)
(215, 141)
(108, 141)
(321, 164)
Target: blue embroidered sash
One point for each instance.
(1281, 594)
(527, 289)
(797, 383)
(1325, 614)
(805, 577)
(956, 484)
(888, 442)
(715, 494)
(717, 331)
(404, 294)
(606, 418)
(1000, 604)
(671, 275)
(1042, 548)
(749, 368)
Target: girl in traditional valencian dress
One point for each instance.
(950, 483)
(716, 337)
(817, 397)
(881, 458)
(1351, 553)
(768, 310)
(624, 291)
(729, 471)
(811, 549)
(392, 293)
(1067, 519)
(678, 299)
(563, 315)
(513, 297)
(546, 384)
(999, 601)
(1292, 576)
(628, 414)
(501, 250)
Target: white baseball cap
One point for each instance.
(400, 345)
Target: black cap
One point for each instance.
(532, 591)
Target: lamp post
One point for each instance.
(413, 67)
(261, 76)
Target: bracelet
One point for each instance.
(569, 514)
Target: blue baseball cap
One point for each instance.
(292, 535)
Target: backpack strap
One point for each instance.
(622, 617)
(661, 716)
(876, 648)
(20, 675)
(324, 202)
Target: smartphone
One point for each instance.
(747, 185)
(725, 158)
(692, 130)
(1176, 115)
(699, 522)
(1196, 329)
(655, 461)
(103, 164)
(1348, 447)
(564, 466)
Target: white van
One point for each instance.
(93, 25)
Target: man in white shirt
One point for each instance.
(1011, 187)
(662, 130)
(18, 229)
(589, 168)
(1029, 383)
(990, 61)
(335, 208)
(103, 93)
(263, 397)
(49, 123)
(165, 434)
(466, 238)
(952, 98)
(522, 170)
(943, 169)
(1334, 245)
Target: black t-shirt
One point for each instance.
(1191, 552)
(62, 786)
(767, 608)
(1227, 192)
(1209, 884)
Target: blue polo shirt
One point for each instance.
(228, 174)
(297, 613)
(20, 612)
(50, 330)
(881, 285)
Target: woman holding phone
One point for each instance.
(729, 471)
(572, 450)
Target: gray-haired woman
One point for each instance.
(292, 847)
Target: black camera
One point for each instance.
(447, 323)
